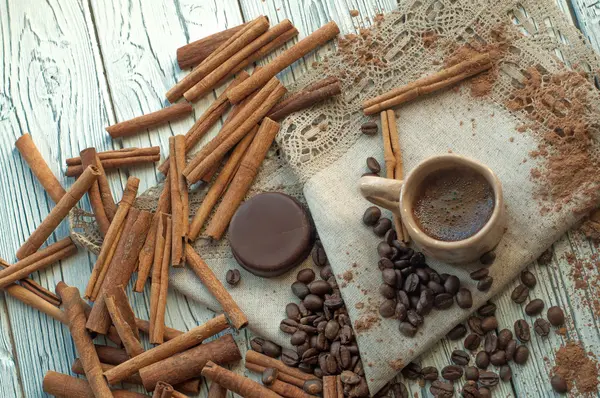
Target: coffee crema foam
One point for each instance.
(453, 204)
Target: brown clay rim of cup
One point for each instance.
(439, 162)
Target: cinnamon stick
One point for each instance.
(110, 207)
(110, 355)
(233, 132)
(180, 343)
(238, 384)
(281, 376)
(110, 164)
(27, 297)
(217, 391)
(163, 390)
(160, 282)
(330, 387)
(111, 240)
(151, 120)
(267, 49)
(40, 291)
(226, 68)
(340, 387)
(83, 342)
(128, 336)
(88, 158)
(189, 364)
(268, 362)
(177, 394)
(169, 333)
(39, 167)
(287, 390)
(215, 287)
(119, 154)
(58, 213)
(285, 59)
(64, 386)
(121, 267)
(227, 50)
(195, 52)
(146, 257)
(37, 261)
(179, 198)
(241, 182)
(305, 99)
(219, 186)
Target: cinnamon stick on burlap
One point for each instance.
(216, 391)
(116, 163)
(237, 318)
(39, 167)
(225, 51)
(188, 364)
(220, 185)
(58, 213)
(37, 261)
(241, 182)
(163, 390)
(197, 51)
(64, 386)
(224, 70)
(179, 199)
(151, 120)
(314, 94)
(429, 84)
(234, 131)
(238, 384)
(285, 59)
(121, 266)
(160, 281)
(111, 240)
(82, 340)
(180, 343)
(282, 376)
(88, 158)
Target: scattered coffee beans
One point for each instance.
(488, 309)
(522, 331)
(256, 344)
(313, 387)
(369, 128)
(485, 392)
(528, 279)
(521, 355)
(472, 342)
(371, 216)
(463, 298)
(556, 316)
(373, 165)
(475, 325)
(269, 376)
(504, 336)
(452, 372)
(271, 349)
(306, 276)
(412, 371)
(559, 384)
(429, 373)
(472, 373)
(488, 379)
(319, 257)
(541, 327)
(489, 323)
(399, 390)
(479, 274)
(458, 332)
(505, 373)
(520, 294)
(470, 390)
(482, 360)
(300, 290)
(511, 348)
(382, 226)
(488, 258)
(534, 307)
(460, 357)
(233, 277)
(440, 389)
(490, 343)
(485, 284)
(498, 358)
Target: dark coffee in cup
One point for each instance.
(453, 203)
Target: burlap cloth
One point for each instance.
(321, 155)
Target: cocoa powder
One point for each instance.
(577, 367)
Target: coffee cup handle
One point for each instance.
(383, 192)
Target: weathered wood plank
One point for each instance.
(587, 13)
(10, 385)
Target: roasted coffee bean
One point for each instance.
(385, 263)
(334, 302)
(414, 300)
(452, 372)
(429, 373)
(301, 349)
(310, 356)
(414, 318)
(485, 284)
(472, 342)
(387, 309)
(556, 316)
(402, 297)
(472, 373)
(511, 348)
(313, 386)
(306, 368)
(257, 343)
(521, 354)
(345, 358)
(407, 329)
(417, 259)
(522, 331)
(504, 336)
(344, 319)
(349, 377)
(505, 373)
(452, 284)
(399, 390)
(458, 332)
(306, 276)
(292, 311)
(479, 274)
(498, 358)
(485, 392)
(520, 294)
(440, 389)
(326, 272)
(346, 334)
(389, 237)
(384, 250)
(300, 290)
(490, 343)
(288, 326)
(487, 258)
(271, 349)
(541, 327)
(400, 312)
(269, 376)
(489, 323)
(411, 283)
(321, 326)
(233, 277)
(361, 390)
(559, 384)
(488, 379)
(331, 329)
(319, 257)
(299, 337)
(423, 275)
(475, 325)
(460, 357)
(313, 302)
(308, 320)
(328, 364)
(482, 360)
(407, 271)
(320, 288)
(470, 390)
(402, 264)
(488, 309)
(435, 277)
(389, 276)
(425, 303)
(443, 301)
(369, 128)
(382, 226)
(435, 287)
(443, 277)
(463, 298)
(373, 165)
(528, 279)
(534, 307)
(387, 291)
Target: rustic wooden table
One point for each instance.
(71, 67)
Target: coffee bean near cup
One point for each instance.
(452, 206)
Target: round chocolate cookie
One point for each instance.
(270, 234)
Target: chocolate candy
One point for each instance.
(270, 234)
